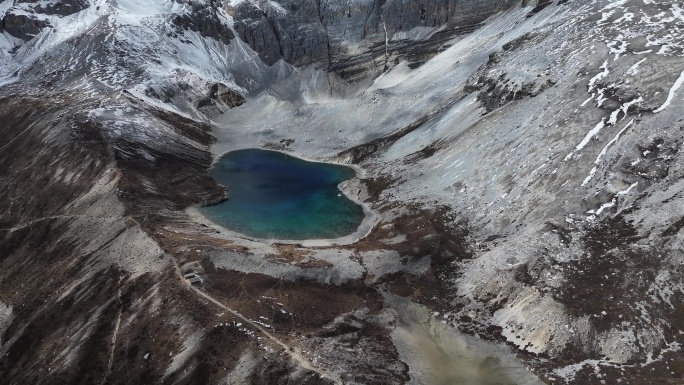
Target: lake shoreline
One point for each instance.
(365, 226)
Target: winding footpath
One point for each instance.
(291, 351)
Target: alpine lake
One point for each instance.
(276, 196)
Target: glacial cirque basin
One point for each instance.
(277, 196)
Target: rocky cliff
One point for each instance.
(353, 38)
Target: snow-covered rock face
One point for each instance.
(358, 39)
(122, 44)
(523, 162)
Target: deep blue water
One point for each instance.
(277, 196)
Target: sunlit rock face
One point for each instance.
(520, 165)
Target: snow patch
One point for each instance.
(604, 151)
(599, 76)
(633, 70)
(678, 83)
(625, 192)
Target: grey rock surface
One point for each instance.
(358, 35)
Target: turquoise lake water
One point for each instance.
(276, 196)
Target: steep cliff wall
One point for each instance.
(357, 36)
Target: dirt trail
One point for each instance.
(293, 352)
(33, 221)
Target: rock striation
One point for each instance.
(355, 36)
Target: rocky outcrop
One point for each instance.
(227, 96)
(496, 88)
(25, 26)
(219, 93)
(205, 21)
(63, 7)
(22, 26)
(354, 36)
(289, 30)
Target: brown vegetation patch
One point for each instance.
(363, 344)
(431, 232)
(182, 240)
(168, 318)
(288, 306)
(375, 186)
(289, 253)
(426, 152)
(278, 369)
(428, 232)
(614, 275)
